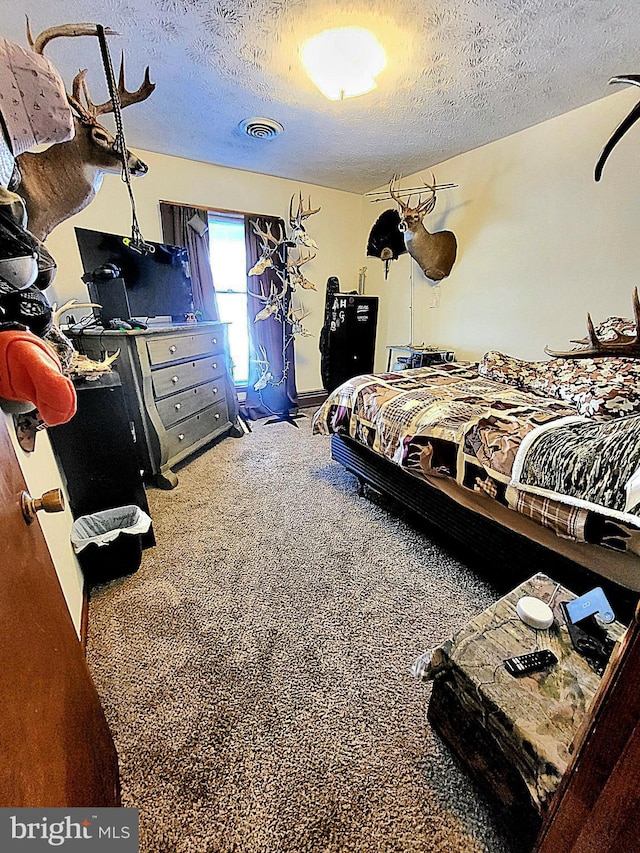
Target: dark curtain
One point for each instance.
(280, 397)
(177, 232)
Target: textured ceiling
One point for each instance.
(460, 73)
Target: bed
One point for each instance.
(527, 461)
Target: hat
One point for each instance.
(29, 307)
(29, 370)
(33, 100)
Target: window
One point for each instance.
(229, 268)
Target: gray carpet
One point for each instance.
(255, 670)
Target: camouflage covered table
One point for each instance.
(513, 734)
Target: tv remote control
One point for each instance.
(532, 662)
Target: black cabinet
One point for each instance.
(348, 338)
(97, 452)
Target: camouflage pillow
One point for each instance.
(606, 387)
(606, 330)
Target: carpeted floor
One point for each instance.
(255, 670)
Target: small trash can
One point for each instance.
(109, 543)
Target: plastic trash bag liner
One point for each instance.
(103, 527)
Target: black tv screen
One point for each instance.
(158, 283)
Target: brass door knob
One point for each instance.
(51, 501)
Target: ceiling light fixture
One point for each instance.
(343, 63)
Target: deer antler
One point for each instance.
(126, 98)
(70, 303)
(68, 30)
(395, 196)
(305, 214)
(302, 260)
(268, 237)
(621, 344)
(79, 89)
(427, 206)
(296, 219)
(89, 111)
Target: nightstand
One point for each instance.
(513, 735)
(419, 356)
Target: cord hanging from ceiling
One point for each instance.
(137, 242)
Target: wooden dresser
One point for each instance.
(176, 381)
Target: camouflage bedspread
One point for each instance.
(586, 463)
(447, 421)
(443, 420)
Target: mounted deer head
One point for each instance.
(62, 180)
(620, 344)
(434, 253)
(298, 232)
(270, 246)
(295, 316)
(294, 277)
(273, 303)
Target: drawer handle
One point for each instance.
(215, 390)
(172, 348)
(214, 340)
(213, 366)
(217, 416)
(181, 437)
(175, 379)
(178, 406)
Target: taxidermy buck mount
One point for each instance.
(618, 344)
(64, 179)
(435, 253)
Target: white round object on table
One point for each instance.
(534, 612)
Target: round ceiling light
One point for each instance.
(343, 63)
(261, 128)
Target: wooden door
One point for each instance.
(596, 808)
(55, 744)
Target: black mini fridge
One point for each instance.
(348, 338)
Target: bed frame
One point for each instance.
(494, 543)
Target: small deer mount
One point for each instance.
(435, 253)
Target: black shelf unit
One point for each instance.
(97, 453)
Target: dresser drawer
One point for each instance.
(168, 348)
(168, 380)
(206, 423)
(186, 403)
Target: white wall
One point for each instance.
(336, 229)
(540, 243)
(41, 473)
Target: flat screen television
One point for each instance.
(157, 283)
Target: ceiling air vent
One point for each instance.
(261, 128)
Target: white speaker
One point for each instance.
(198, 225)
(534, 612)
